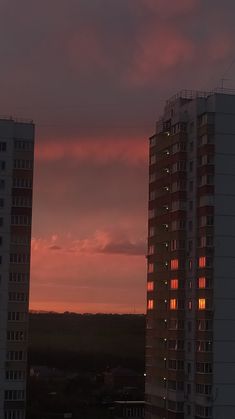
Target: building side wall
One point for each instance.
(224, 260)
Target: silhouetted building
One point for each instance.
(190, 347)
(16, 177)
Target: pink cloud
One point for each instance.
(98, 150)
(87, 280)
(161, 49)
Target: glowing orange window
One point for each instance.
(150, 286)
(174, 284)
(202, 262)
(174, 264)
(202, 282)
(150, 305)
(173, 304)
(201, 303)
(150, 268)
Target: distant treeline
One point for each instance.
(91, 342)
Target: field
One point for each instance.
(86, 342)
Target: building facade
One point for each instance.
(190, 344)
(16, 178)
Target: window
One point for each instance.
(152, 141)
(150, 286)
(150, 305)
(150, 268)
(21, 220)
(151, 231)
(23, 164)
(2, 183)
(15, 335)
(174, 284)
(204, 325)
(18, 258)
(151, 249)
(17, 296)
(14, 414)
(14, 395)
(14, 375)
(202, 282)
(18, 277)
(190, 304)
(201, 304)
(174, 264)
(204, 368)
(15, 356)
(173, 304)
(23, 145)
(202, 262)
(206, 200)
(175, 324)
(177, 225)
(152, 195)
(204, 346)
(3, 146)
(152, 159)
(176, 345)
(16, 316)
(204, 389)
(174, 364)
(22, 183)
(152, 213)
(206, 220)
(152, 177)
(21, 201)
(2, 165)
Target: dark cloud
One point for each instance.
(126, 248)
(54, 247)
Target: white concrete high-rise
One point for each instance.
(190, 345)
(16, 178)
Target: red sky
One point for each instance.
(94, 75)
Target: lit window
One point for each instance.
(174, 264)
(173, 304)
(150, 286)
(150, 305)
(202, 262)
(150, 267)
(201, 303)
(202, 282)
(174, 284)
(190, 305)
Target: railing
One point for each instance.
(193, 94)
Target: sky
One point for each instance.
(94, 75)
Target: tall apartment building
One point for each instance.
(16, 177)
(190, 344)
